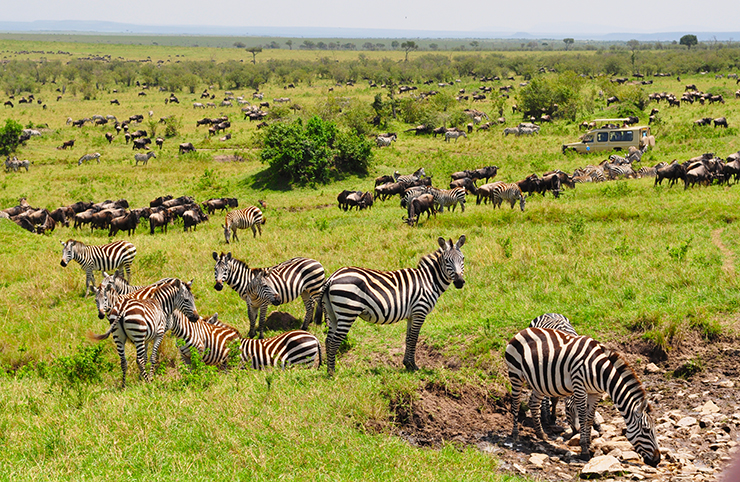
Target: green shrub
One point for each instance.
(84, 367)
(9, 137)
(353, 153)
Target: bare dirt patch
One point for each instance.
(697, 418)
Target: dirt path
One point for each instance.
(728, 263)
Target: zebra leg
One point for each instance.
(263, 315)
(155, 350)
(252, 318)
(141, 360)
(413, 326)
(581, 401)
(516, 392)
(89, 281)
(308, 303)
(534, 405)
(233, 233)
(121, 349)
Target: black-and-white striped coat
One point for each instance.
(108, 257)
(386, 297)
(296, 277)
(114, 286)
(556, 321)
(250, 217)
(615, 171)
(89, 157)
(449, 198)
(409, 178)
(214, 339)
(146, 320)
(413, 192)
(555, 364)
(507, 192)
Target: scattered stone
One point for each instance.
(520, 469)
(630, 455)
(597, 467)
(707, 408)
(726, 384)
(652, 368)
(686, 422)
(538, 460)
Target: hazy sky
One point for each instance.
(533, 16)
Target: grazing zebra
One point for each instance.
(89, 157)
(454, 135)
(555, 364)
(145, 320)
(449, 198)
(386, 297)
(615, 171)
(213, 339)
(510, 192)
(108, 257)
(413, 192)
(250, 217)
(409, 178)
(385, 141)
(114, 286)
(144, 158)
(556, 321)
(295, 277)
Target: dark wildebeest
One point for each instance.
(465, 182)
(128, 222)
(673, 172)
(186, 147)
(418, 206)
(159, 219)
(530, 184)
(342, 199)
(486, 173)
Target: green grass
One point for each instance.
(617, 258)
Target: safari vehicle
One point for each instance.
(613, 135)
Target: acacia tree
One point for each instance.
(688, 40)
(409, 46)
(254, 51)
(289, 43)
(568, 42)
(633, 46)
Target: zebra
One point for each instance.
(386, 297)
(502, 191)
(449, 198)
(250, 217)
(615, 171)
(114, 286)
(108, 257)
(295, 277)
(385, 141)
(413, 192)
(89, 157)
(454, 135)
(556, 364)
(144, 158)
(214, 340)
(410, 178)
(145, 320)
(556, 321)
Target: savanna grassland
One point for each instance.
(623, 260)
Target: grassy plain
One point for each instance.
(621, 259)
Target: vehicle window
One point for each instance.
(615, 137)
(627, 136)
(602, 136)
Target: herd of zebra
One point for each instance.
(549, 355)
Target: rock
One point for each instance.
(686, 422)
(538, 460)
(630, 455)
(707, 408)
(652, 368)
(726, 384)
(601, 466)
(520, 469)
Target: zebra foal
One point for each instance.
(250, 217)
(290, 279)
(555, 364)
(510, 192)
(108, 257)
(386, 297)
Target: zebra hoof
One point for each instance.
(410, 366)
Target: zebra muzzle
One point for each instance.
(218, 286)
(459, 283)
(64, 265)
(101, 315)
(193, 317)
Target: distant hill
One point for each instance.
(77, 26)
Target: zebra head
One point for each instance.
(641, 433)
(453, 261)
(104, 298)
(260, 287)
(222, 269)
(68, 253)
(185, 302)
(227, 232)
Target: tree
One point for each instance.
(239, 45)
(433, 46)
(394, 44)
(633, 45)
(254, 51)
(568, 42)
(475, 44)
(407, 47)
(10, 137)
(688, 40)
(289, 43)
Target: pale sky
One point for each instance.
(532, 16)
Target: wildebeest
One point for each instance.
(486, 173)
(68, 144)
(109, 137)
(128, 222)
(159, 219)
(221, 204)
(673, 172)
(186, 147)
(159, 142)
(192, 217)
(418, 206)
(720, 121)
(465, 182)
(384, 191)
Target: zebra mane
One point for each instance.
(210, 321)
(625, 370)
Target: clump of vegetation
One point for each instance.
(557, 95)
(9, 137)
(689, 369)
(306, 154)
(84, 367)
(678, 253)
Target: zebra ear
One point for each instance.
(62, 243)
(460, 242)
(228, 255)
(215, 256)
(442, 242)
(189, 284)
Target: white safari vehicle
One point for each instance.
(612, 135)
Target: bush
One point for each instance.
(9, 137)
(353, 153)
(544, 92)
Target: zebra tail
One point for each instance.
(95, 337)
(320, 359)
(324, 305)
(318, 311)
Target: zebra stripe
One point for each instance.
(412, 193)
(89, 157)
(507, 192)
(108, 257)
(250, 217)
(290, 279)
(145, 320)
(556, 321)
(213, 339)
(410, 178)
(555, 364)
(615, 171)
(444, 198)
(115, 286)
(386, 297)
